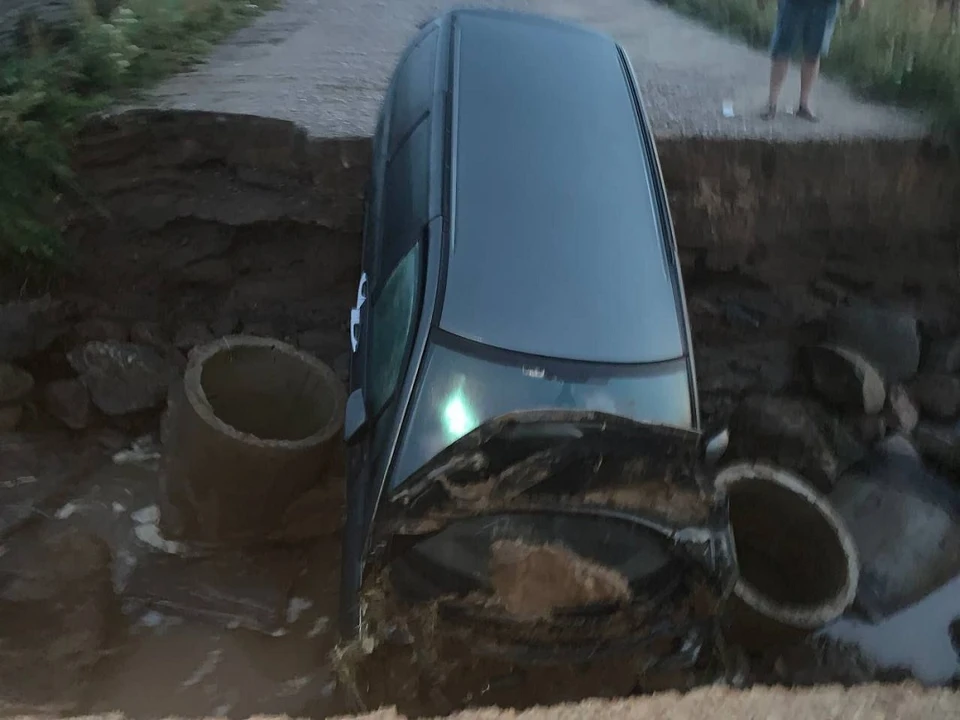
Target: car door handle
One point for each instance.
(354, 328)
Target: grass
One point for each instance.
(48, 90)
(902, 52)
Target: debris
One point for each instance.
(296, 607)
(903, 412)
(98, 329)
(69, 402)
(67, 511)
(206, 668)
(938, 396)
(38, 474)
(888, 339)
(144, 451)
(122, 377)
(844, 378)
(248, 590)
(533, 581)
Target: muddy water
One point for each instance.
(165, 663)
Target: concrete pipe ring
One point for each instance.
(255, 426)
(798, 563)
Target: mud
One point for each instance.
(535, 581)
(231, 224)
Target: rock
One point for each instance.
(10, 417)
(906, 524)
(16, 384)
(99, 329)
(121, 377)
(216, 271)
(888, 339)
(843, 378)
(323, 344)
(56, 608)
(903, 414)
(192, 334)
(225, 324)
(938, 396)
(940, 444)
(262, 328)
(148, 333)
(783, 432)
(69, 402)
(943, 356)
(30, 327)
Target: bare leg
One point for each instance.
(778, 73)
(808, 78)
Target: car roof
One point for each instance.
(556, 239)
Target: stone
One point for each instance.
(943, 356)
(192, 334)
(843, 378)
(902, 414)
(888, 339)
(10, 417)
(57, 606)
(783, 432)
(225, 324)
(149, 333)
(69, 402)
(16, 384)
(29, 327)
(938, 396)
(940, 444)
(122, 377)
(324, 344)
(215, 271)
(99, 329)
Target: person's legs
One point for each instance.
(817, 33)
(785, 35)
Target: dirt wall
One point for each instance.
(787, 212)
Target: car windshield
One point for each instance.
(460, 390)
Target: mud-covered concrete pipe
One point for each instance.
(254, 425)
(798, 564)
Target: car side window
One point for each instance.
(406, 195)
(393, 323)
(414, 88)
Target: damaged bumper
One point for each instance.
(557, 536)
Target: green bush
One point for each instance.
(901, 52)
(47, 91)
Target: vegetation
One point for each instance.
(902, 52)
(49, 86)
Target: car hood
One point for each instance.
(555, 485)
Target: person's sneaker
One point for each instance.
(804, 114)
(769, 113)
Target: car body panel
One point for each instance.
(556, 246)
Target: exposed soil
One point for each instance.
(532, 581)
(202, 232)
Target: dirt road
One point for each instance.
(324, 64)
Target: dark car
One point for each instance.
(520, 306)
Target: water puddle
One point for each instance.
(916, 639)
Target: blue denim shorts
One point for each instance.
(810, 22)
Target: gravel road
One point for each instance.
(324, 64)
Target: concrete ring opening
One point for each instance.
(266, 390)
(798, 562)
